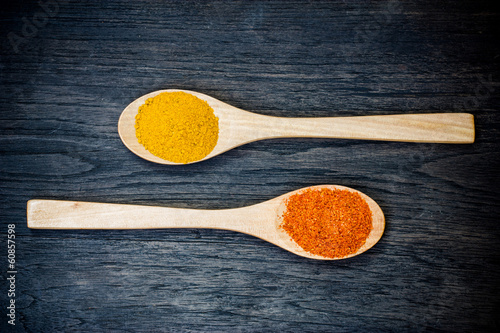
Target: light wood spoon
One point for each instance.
(238, 127)
(261, 220)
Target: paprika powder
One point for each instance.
(332, 223)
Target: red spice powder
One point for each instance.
(332, 223)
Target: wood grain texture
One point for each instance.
(436, 268)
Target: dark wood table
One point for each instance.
(68, 69)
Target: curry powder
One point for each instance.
(177, 127)
(332, 223)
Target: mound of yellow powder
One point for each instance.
(177, 127)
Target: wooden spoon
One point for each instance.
(261, 220)
(238, 127)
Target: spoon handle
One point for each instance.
(434, 127)
(59, 214)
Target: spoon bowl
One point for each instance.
(261, 220)
(238, 127)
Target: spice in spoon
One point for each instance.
(177, 127)
(332, 223)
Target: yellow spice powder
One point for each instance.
(177, 127)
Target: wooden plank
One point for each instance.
(435, 269)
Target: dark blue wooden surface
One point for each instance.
(67, 72)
